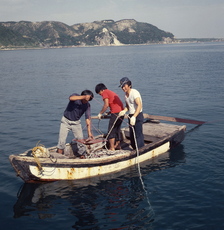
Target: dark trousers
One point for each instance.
(115, 132)
(138, 131)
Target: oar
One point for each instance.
(163, 118)
(174, 119)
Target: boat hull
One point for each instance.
(75, 169)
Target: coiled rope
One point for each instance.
(40, 151)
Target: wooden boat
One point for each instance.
(44, 164)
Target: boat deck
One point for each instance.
(152, 131)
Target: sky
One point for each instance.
(183, 18)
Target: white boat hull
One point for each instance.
(69, 173)
(159, 138)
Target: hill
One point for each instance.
(101, 33)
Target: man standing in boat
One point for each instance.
(134, 106)
(112, 101)
(77, 106)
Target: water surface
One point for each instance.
(183, 188)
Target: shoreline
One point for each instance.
(185, 41)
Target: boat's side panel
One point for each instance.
(69, 173)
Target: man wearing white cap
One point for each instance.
(134, 106)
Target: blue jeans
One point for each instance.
(138, 131)
(76, 128)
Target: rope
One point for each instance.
(137, 151)
(36, 150)
(139, 169)
(40, 151)
(105, 140)
(111, 129)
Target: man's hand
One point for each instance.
(132, 120)
(122, 113)
(87, 97)
(99, 116)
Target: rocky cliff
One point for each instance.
(102, 33)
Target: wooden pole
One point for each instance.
(163, 118)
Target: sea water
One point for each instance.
(182, 189)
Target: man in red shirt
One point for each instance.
(112, 101)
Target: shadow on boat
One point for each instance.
(119, 195)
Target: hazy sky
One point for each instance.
(183, 18)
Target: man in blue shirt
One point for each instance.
(77, 106)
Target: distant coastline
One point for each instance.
(177, 41)
(46, 34)
(53, 34)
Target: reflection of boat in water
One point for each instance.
(95, 206)
(159, 138)
(86, 199)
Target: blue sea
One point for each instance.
(181, 189)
